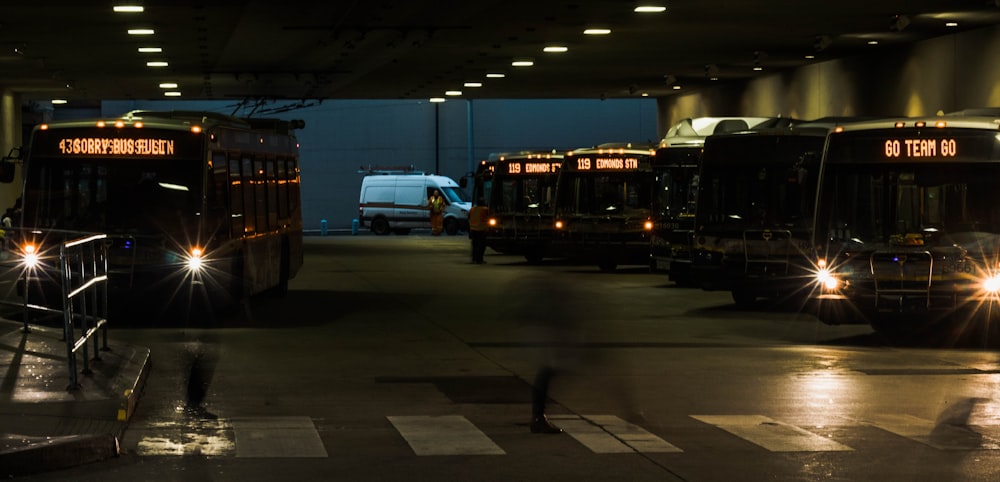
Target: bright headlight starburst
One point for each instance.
(991, 284)
(194, 261)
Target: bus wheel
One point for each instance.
(533, 257)
(380, 226)
(451, 226)
(607, 265)
(744, 298)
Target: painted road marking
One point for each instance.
(608, 434)
(274, 437)
(771, 434)
(444, 435)
(944, 436)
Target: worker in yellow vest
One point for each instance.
(478, 226)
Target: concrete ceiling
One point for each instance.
(393, 49)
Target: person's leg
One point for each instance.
(539, 396)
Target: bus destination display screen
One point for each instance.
(891, 146)
(606, 163)
(137, 143)
(532, 167)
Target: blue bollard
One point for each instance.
(354, 226)
(322, 227)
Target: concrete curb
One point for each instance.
(41, 454)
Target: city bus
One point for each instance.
(676, 165)
(194, 204)
(757, 191)
(522, 202)
(907, 224)
(604, 205)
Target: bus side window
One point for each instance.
(282, 176)
(217, 193)
(236, 198)
(272, 194)
(249, 178)
(260, 195)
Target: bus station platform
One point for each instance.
(45, 425)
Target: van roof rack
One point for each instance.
(386, 170)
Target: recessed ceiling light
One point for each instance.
(141, 31)
(473, 84)
(150, 50)
(650, 9)
(873, 42)
(168, 85)
(597, 31)
(172, 94)
(555, 49)
(436, 99)
(156, 64)
(495, 75)
(58, 101)
(128, 8)
(951, 24)
(453, 92)
(522, 63)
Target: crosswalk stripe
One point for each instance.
(942, 436)
(610, 434)
(444, 435)
(771, 434)
(271, 437)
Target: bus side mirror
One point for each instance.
(8, 166)
(7, 169)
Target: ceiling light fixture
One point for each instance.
(150, 50)
(168, 85)
(522, 63)
(128, 8)
(951, 24)
(473, 84)
(156, 63)
(597, 31)
(141, 31)
(650, 9)
(436, 100)
(453, 92)
(555, 49)
(58, 101)
(495, 75)
(172, 94)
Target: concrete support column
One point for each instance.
(10, 137)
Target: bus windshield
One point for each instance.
(758, 180)
(113, 195)
(525, 194)
(911, 204)
(621, 193)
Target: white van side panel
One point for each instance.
(402, 200)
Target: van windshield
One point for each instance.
(455, 195)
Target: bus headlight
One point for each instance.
(194, 261)
(559, 224)
(991, 284)
(492, 222)
(827, 280)
(648, 225)
(30, 258)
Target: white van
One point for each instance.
(397, 203)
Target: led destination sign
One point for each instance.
(607, 163)
(103, 146)
(947, 145)
(911, 148)
(533, 167)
